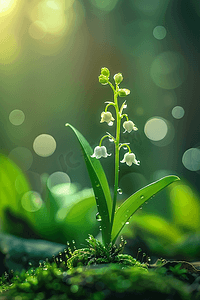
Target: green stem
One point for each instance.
(116, 157)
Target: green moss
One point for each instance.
(96, 253)
(94, 283)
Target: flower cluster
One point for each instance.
(106, 116)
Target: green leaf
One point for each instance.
(13, 185)
(78, 219)
(129, 207)
(99, 184)
(185, 205)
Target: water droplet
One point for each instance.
(127, 222)
(73, 241)
(98, 185)
(110, 123)
(127, 210)
(142, 197)
(119, 191)
(146, 202)
(140, 207)
(98, 217)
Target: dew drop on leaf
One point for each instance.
(119, 191)
(142, 197)
(98, 217)
(127, 222)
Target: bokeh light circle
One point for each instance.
(168, 70)
(44, 145)
(22, 156)
(159, 32)
(168, 138)
(16, 117)
(106, 6)
(169, 98)
(156, 128)
(178, 112)
(31, 201)
(37, 30)
(59, 183)
(191, 159)
(146, 6)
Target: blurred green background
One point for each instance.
(51, 53)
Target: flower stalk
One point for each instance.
(128, 125)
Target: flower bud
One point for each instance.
(100, 152)
(118, 78)
(129, 126)
(103, 79)
(130, 158)
(123, 92)
(105, 72)
(106, 116)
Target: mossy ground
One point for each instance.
(93, 283)
(93, 273)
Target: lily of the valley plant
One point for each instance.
(112, 220)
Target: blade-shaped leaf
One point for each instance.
(129, 207)
(99, 184)
(13, 185)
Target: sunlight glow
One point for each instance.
(9, 49)
(6, 6)
(48, 16)
(37, 30)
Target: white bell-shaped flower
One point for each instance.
(100, 152)
(129, 126)
(130, 158)
(106, 116)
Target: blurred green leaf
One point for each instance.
(99, 184)
(13, 185)
(79, 219)
(156, 226)
(185, 205)
(130, 206)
